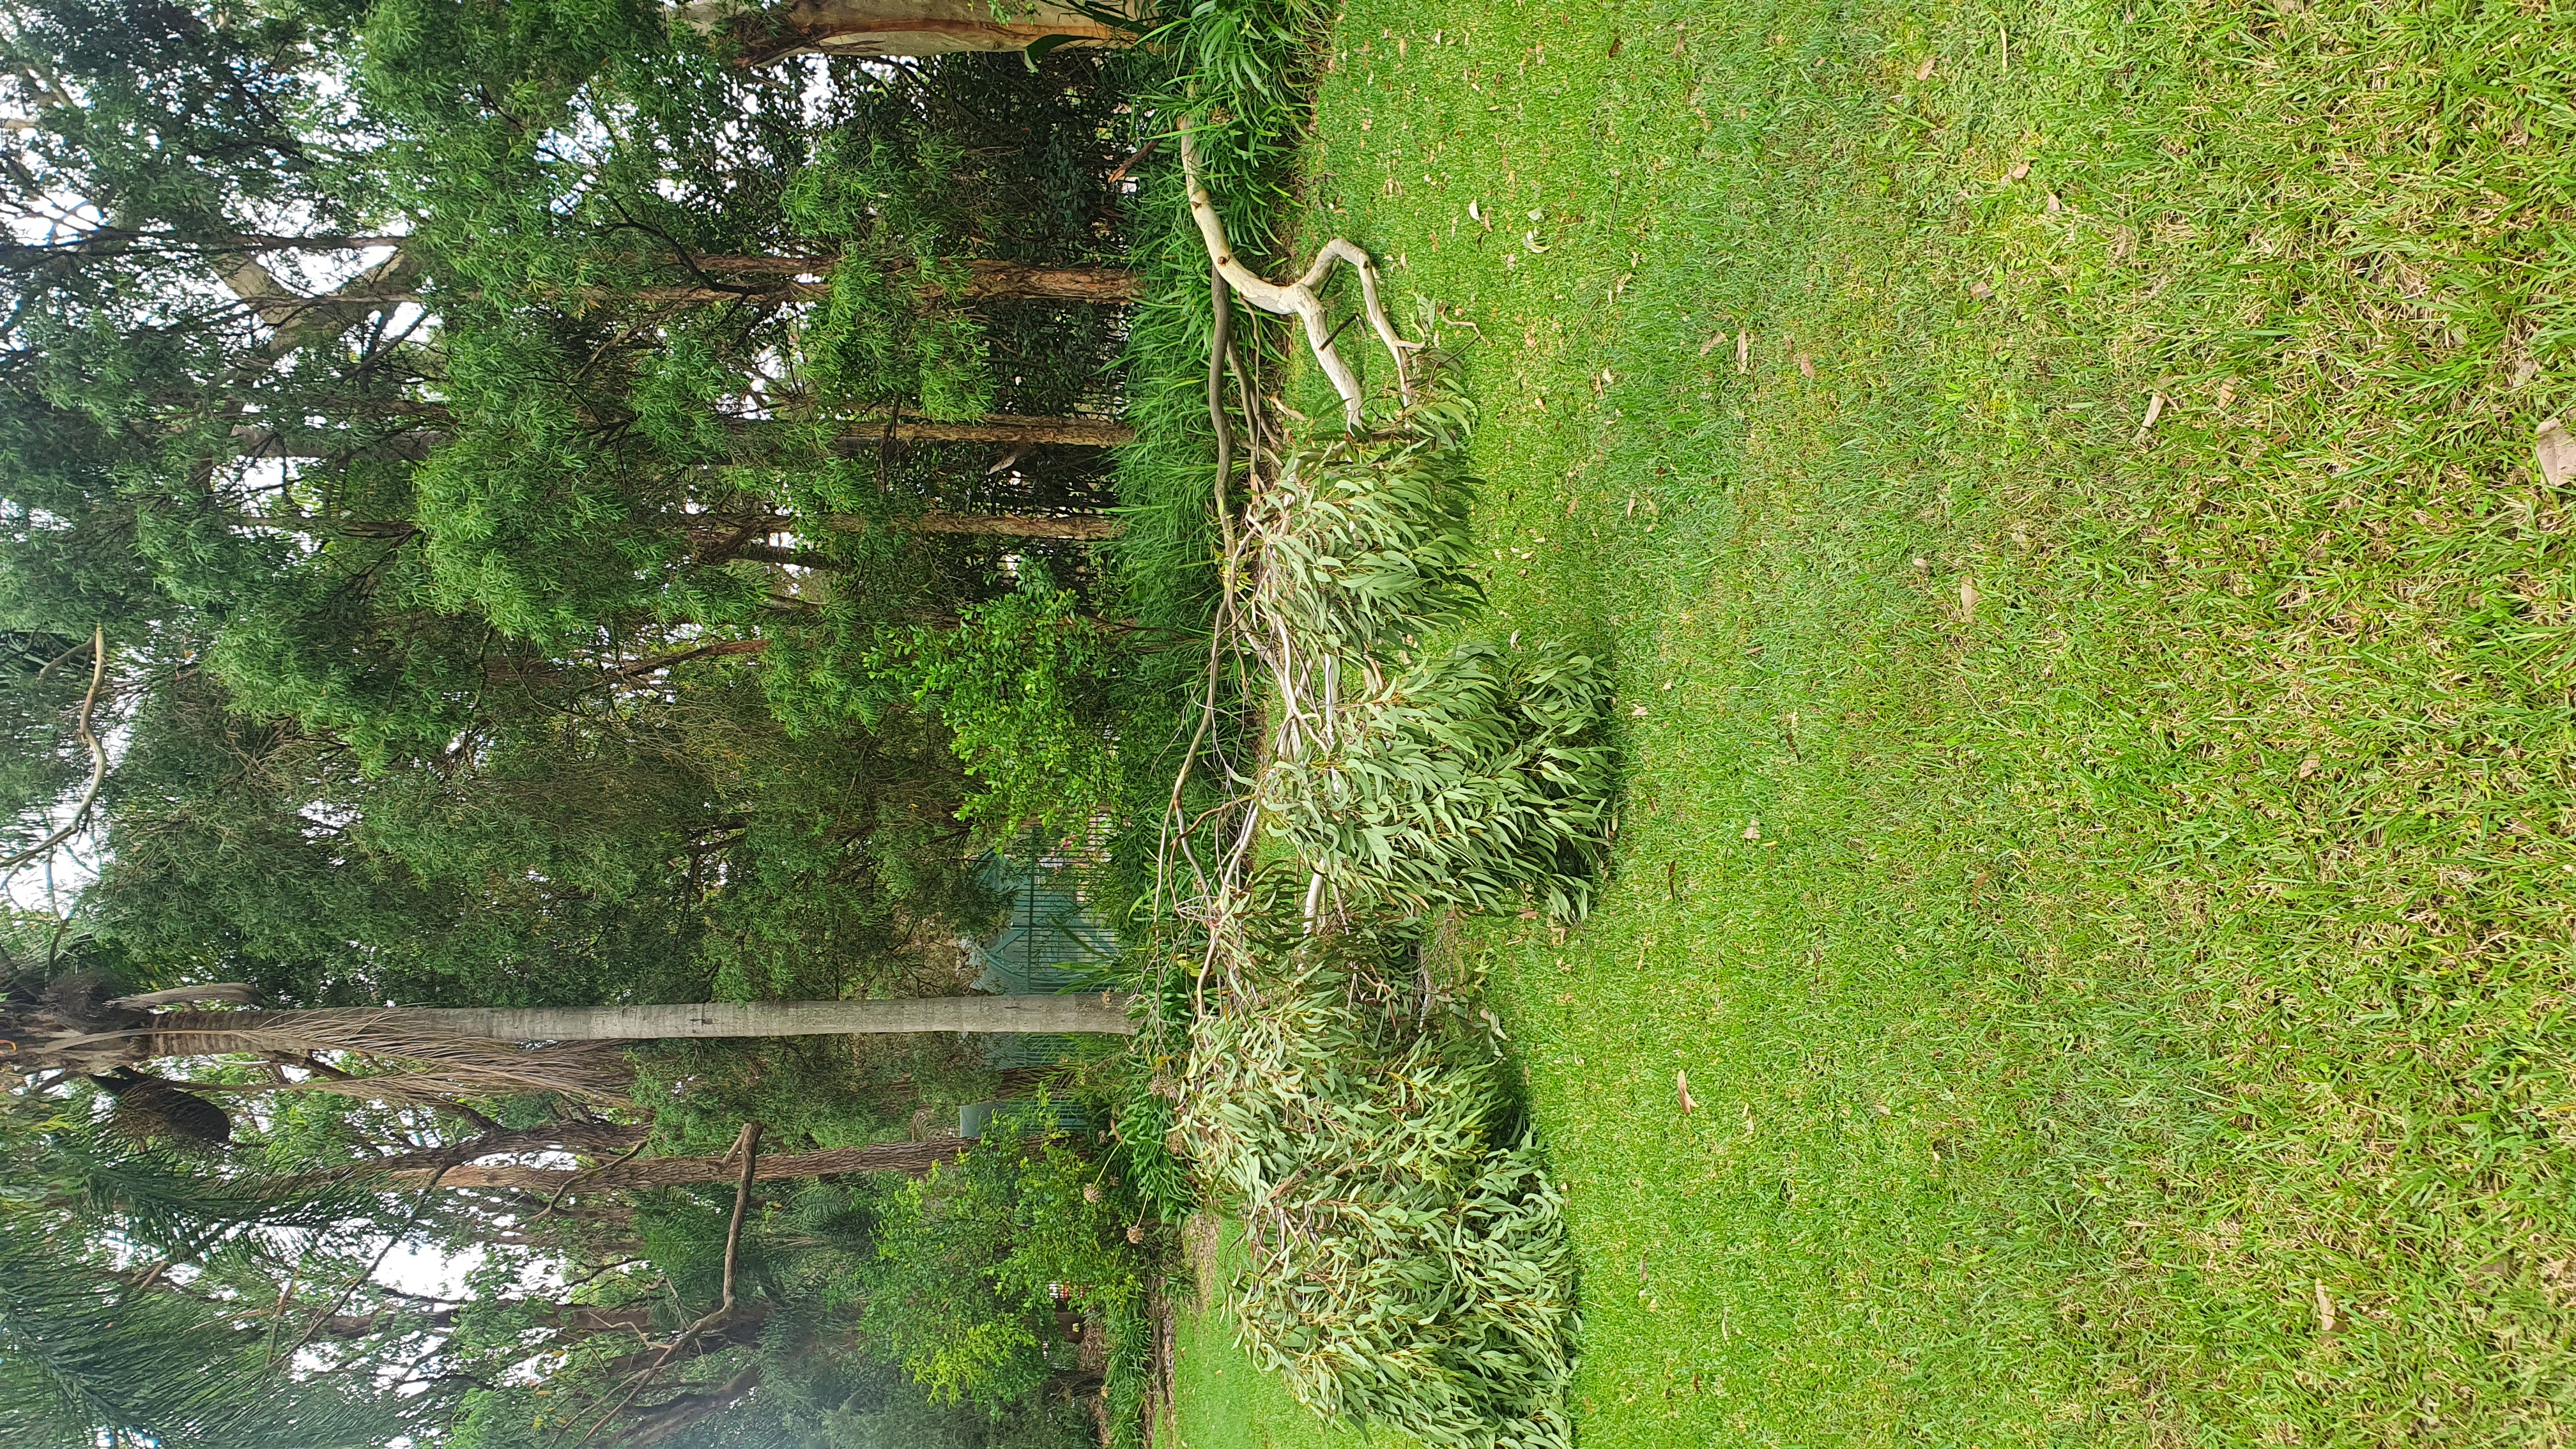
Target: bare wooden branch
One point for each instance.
(97, 757)
(1299, 298)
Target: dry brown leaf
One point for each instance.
(2325, 1309)
(2226, 393)
(2019, 170)
(2555, 451)
(1681, 1085)
(1924, 71)
(1710, 345)
(1980, 289)
(2309, 766)
(1968, 597)
(2054, 205)
(2155, 410)
(1743, 352)
(1806, 366)
(1753, 830)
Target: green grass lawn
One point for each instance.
(2106, 879)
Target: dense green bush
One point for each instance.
(963, 1288)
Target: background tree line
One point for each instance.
(512, 505)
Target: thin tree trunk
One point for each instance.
(856, 437)
(1083, 527)
(1089, 527)
(1086, 432)
(597, 1138)
(913, 1159)
(1084, 1013)
(985, 280)
(901, 27)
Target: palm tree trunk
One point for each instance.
(914, 1159)
(1086, 1013)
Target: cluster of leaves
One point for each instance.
(1408, 1257)
(1473, 777)
(1474, 780)
(1026, 685)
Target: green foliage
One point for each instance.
(890, 329)
(1471, 778)
(1408, 1256)
(83, 1357)
(874, 339)
(1024, 686)
(968, 1258)
(1475, 780)
(1365, 541)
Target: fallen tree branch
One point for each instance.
(1299, 298)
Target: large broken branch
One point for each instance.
(1299, 298)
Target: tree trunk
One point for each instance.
(478, 1050)
(857, 436)
(900, 27)
(1085, 432)
(596, 1138)
(913, 1159)
(1083, 527)
(985, 280)
(1085, 1013)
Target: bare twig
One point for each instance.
(419, 1205)
(97, 758)
(748, 1144)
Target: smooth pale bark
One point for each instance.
(900, 27)
(482, 1049)
(910, 1158)
(1085, 1013)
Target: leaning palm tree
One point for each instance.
(75, 1025)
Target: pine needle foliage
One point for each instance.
(85, 1361)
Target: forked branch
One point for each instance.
(1299, 298)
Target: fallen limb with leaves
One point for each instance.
(1408, 1261)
